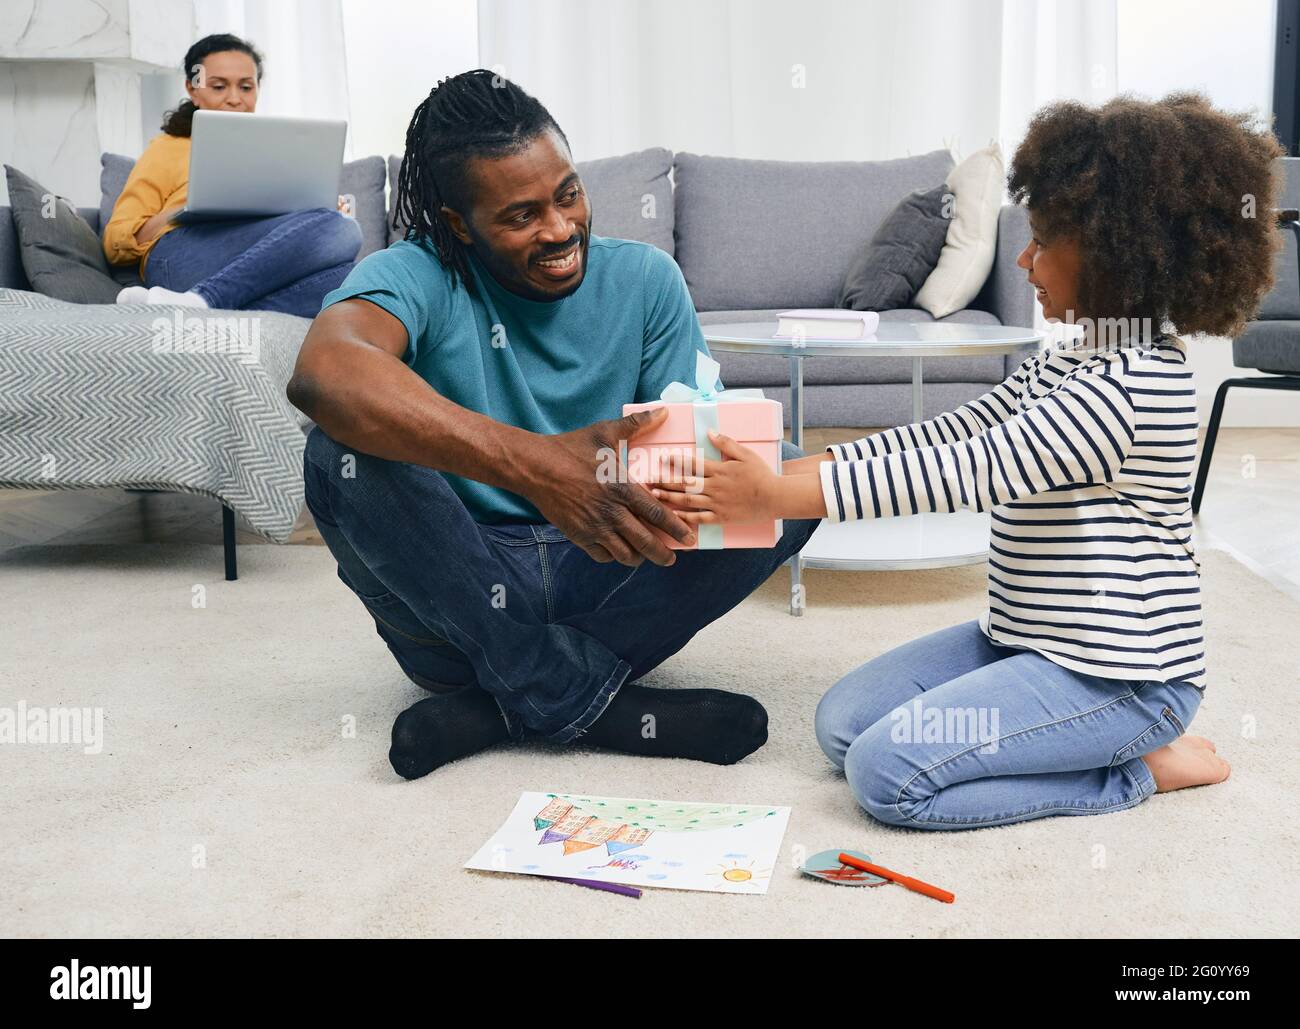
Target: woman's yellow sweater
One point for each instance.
(159, 180)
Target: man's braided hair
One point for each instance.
(475, 114)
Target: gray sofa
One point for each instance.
(756, 237)
(751, 238)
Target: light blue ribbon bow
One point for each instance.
(704, 397)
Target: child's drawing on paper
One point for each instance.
(679, 845)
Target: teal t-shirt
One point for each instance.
(622, 336)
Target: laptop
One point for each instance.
(245, 165)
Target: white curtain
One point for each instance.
(370, 63)
(806, 80)
(305, 73)
(1063, 49)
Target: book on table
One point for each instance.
(826, 323)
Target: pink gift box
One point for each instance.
(753, 423)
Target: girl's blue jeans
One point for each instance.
(953, 731)
(284, 263)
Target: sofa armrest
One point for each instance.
(1007, 294)
(12, 275)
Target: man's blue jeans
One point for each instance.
(953, 731)
(516, 609)
(284, 263)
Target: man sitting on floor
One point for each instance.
(465, 383)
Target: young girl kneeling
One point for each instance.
(1089, 662)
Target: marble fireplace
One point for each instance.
(79, 77)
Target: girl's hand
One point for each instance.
(741, 488)
(805, 465)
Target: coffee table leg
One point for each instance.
(796, 437)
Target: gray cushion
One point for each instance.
(631, 196)
(1269, 346)
(399, 231)
(901, 255)
(741, 370)
(1283, 301)
(362, 179)
(114, 169)
(783, 233)
(113, 172)
(12, 275)
(61, 255)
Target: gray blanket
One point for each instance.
(149, 397)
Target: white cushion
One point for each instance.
(968, 251)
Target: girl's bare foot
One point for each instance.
(1188, 761)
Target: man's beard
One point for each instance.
(504, 273)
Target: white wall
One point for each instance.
(1225, 50)
(1222, 49)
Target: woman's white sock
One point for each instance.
(133, 295)
(158, 295)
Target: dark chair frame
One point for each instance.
(1288, 218)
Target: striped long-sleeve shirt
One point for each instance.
(1084, 458)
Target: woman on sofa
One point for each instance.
(283, 263)
(1072, 692)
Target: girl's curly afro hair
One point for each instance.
(1170, 201)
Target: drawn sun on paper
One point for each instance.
(735, 872)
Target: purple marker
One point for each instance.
(596, 884)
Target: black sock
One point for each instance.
(703, 725)
(444, 728)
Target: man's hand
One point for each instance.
(608, 520)
(350, 380)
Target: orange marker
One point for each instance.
(902, 880)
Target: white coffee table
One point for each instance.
(917, 541)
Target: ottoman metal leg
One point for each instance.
(228, 542)
(796, 437)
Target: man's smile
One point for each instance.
(562, 266)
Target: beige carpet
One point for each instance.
(225, 749)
